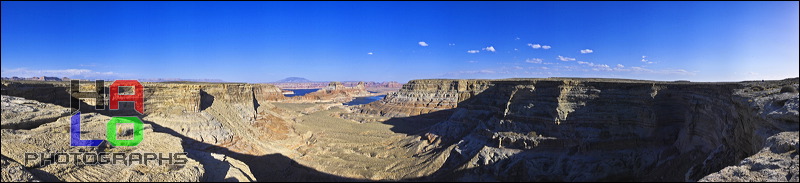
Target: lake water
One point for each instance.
(300, 92)
(364, 100)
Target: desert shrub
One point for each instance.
(788, 89)
(532, 134)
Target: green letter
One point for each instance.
(138, 131)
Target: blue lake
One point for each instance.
(364, 100)
(300, 92)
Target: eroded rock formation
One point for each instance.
(555, 129)
(211, 121)
(425, 96)
(336, 91)
(561, 129)
(53, 137)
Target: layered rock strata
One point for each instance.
(424, 96)
(565, 129)
(336, 92)
(173, 97)
(53, 137)
(554, 129)
(217, 123)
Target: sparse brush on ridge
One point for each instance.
(789, 89)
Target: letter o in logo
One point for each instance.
(138, 131)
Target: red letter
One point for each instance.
(137, 98)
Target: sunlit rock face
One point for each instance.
(189, 117)
(425, 96)
(336, 92)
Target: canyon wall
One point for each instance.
(565, 129)
(553, 129)
(164, 97)
(336, 92)
(425, 96)
(218, 123)
(209, 113)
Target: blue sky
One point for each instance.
(400, 41)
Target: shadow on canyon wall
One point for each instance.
(265, 168)
(668, 110)
(643, 122)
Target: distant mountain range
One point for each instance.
(294, 80)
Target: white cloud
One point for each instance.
(517, 67)
(23, 72)
(516, 38)
(586, 51)
(537, 46)
(596, 67)
(472, 61)
(534, 60)
(370, 53)
(562, 58)
(451, 44)
(485, 71)
(422, 43)
(644, 70)
(473, 51)
(647, 61)
(602, 67)
(543, 68)
(459, 73)
(490, 48)
(516, 49)
(636, 70)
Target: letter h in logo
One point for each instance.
(115, 98)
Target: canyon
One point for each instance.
(537, 129)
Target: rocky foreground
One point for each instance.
(555, 129)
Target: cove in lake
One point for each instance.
(364, 100)
(300, 92)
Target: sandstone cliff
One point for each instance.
(563, 129)
(172, 97)
(425, 96)
(53, 137)
(554, 129)
(335, 91)
(218, 123)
